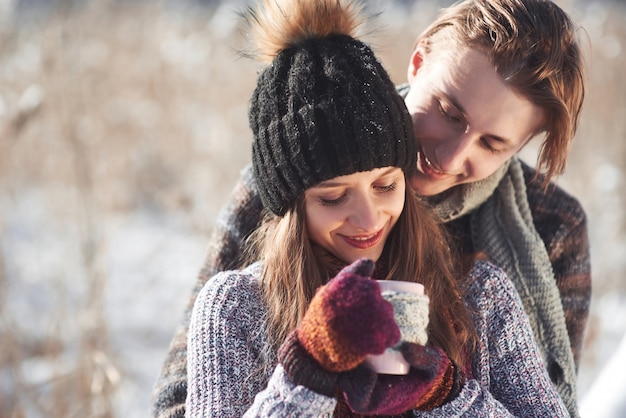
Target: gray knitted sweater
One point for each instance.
(227, 356)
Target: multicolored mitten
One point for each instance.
(432, 381)
(303, 369)
(346, 320)
(447, 378)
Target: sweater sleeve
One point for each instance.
(236, 220)
(282, 398)
(226, 357)
(509, 378)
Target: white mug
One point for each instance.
(392, 361)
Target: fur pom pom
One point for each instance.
(280, 24)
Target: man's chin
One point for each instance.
(423, 187)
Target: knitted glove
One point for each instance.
(410, 312)
(432, 381)
(346, 320)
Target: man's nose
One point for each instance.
(453, 154)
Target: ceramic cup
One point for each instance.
(392, 361)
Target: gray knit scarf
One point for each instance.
(502, 227)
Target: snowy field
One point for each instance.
(122, 131)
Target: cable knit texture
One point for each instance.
(232, 373)
(325, 108)
(410, 311)
(558, 219)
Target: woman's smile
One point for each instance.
(363, 241)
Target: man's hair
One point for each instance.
(533, 45)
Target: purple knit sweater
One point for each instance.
(232, 373)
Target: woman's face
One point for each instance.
(467, 121)
(351, 216)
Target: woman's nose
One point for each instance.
(365, 215)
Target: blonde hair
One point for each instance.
(533, 46)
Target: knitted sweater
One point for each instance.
(227, 344)
(559, 219)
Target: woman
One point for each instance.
(288, 335)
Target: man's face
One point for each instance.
(467, 121)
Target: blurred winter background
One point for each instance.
(122, 131)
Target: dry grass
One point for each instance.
(109, 109)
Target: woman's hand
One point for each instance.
(432, 381)
(346, 320)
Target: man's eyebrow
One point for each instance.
(461, 110)
(499, 139)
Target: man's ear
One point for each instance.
(417, 59)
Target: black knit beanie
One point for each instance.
(325, 108)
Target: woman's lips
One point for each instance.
(364, 241)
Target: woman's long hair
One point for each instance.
(416, 251)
